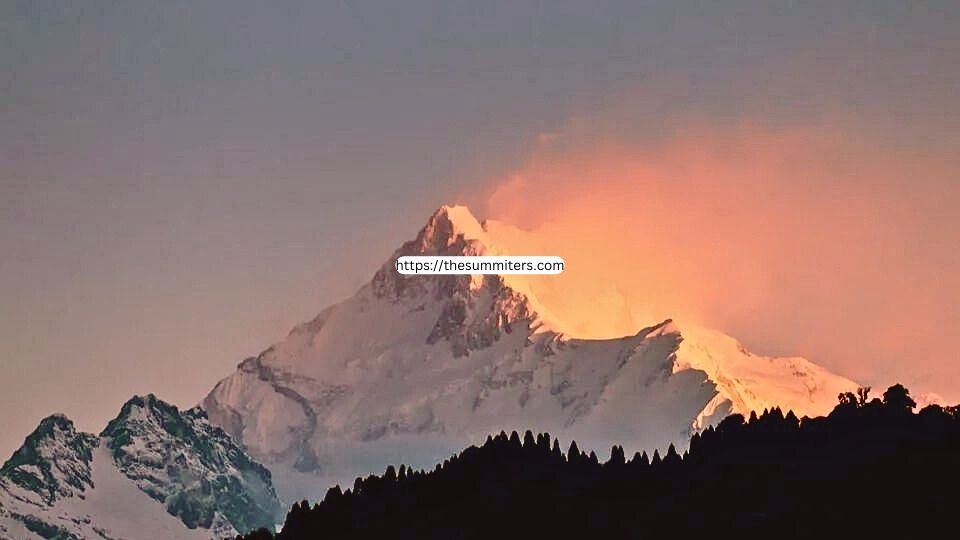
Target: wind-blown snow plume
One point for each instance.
(800, 241)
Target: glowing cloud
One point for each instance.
(798, 241)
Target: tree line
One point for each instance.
(872, 467)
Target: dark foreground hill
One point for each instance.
(872, 468)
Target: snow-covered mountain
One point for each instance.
(155, 472)
(413, 367)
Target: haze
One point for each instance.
(182, 183)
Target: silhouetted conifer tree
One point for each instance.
(573, 453)
(617, 457)
(528, 440)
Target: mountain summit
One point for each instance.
(413, 367)
(443, 229)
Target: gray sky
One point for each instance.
(181, 183)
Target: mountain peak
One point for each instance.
(441, 359)
(445, 228)
(148, 401)
(450, 231)
(148, 408)
(56, 421)
(460, 217)
(54, 460)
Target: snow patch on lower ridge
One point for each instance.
(412, 368)
(747, 382)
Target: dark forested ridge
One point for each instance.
(872, 467)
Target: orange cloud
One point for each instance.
(802, 241)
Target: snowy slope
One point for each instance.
(154, 473)
(116, 508)
(413, 367)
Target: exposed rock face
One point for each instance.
(195, 469)
(54, 461)
(154, 472)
